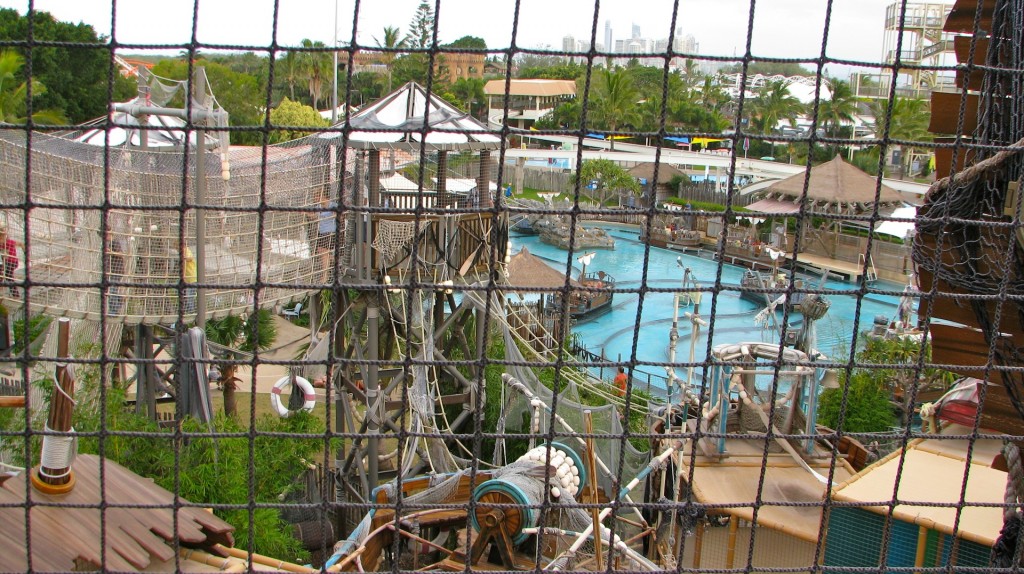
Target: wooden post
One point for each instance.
(730, 552)
(588, 429)
(374, 405)
(922, 545)
(483, 181)
(442, 180)
(54, 474)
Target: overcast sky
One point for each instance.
(781, 28)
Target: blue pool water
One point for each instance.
(615, 333)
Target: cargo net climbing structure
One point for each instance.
(117, 219)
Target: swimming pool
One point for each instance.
(615, 333)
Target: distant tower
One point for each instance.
(569, 44)
(636, 31)
(608, 35)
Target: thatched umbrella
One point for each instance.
(834, 188)
(527, 271)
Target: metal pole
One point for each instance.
(334, 94)
(199, 86)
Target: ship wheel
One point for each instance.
(502, 512)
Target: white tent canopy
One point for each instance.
(161, 131)
(407, 119)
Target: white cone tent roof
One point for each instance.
(163, 132)
(400, 120)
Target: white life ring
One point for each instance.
(285, 383)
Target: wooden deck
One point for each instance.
(819, 263)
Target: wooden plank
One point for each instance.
(945, 116)
(944, 157)
(60, 535)
(962, 48)
(961, 17)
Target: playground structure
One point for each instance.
(158, 237)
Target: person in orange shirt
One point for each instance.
(621, 380)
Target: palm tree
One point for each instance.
(290, 66)
(615, 101)
(838, 109)
(14, 94)
(392, 41)
(906, 120)
(316, 66)
(774, 104)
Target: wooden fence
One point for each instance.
(707, 192)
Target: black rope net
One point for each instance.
(622, 306)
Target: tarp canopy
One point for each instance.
(835, 186)
(408, 119)
(944, 477)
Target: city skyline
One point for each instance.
(720, 26)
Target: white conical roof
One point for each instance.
(398, 120)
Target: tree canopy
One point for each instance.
(607, 178)
(14, 94)
(468, 42)
(289, 113)
(77, 79)
(421, 29)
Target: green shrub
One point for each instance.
(867, 405)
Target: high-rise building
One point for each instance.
(636, 31)
(608, 44)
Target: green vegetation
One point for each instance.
(200, 469)
(879, 396)
(704, 205)
(867, 405)
(289, 113)
(76, 78)
(14, 94)
(37, 325)
(609, 177)
(256, 332)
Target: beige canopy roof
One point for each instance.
(526, 270)
(834, 186)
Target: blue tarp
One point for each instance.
(678, 139)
